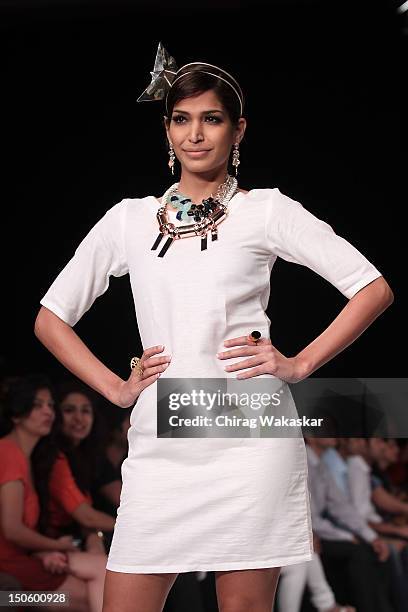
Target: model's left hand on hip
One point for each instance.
(264, 359)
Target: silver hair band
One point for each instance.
(211, 74)
(165, 73)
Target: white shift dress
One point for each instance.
(202, 504)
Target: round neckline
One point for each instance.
(174, 212)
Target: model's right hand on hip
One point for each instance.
(152, 366)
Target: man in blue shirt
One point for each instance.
(347, 542)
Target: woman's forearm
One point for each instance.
(388, 502)
(61, 340)
(101, 520)
(90, 518)
(386, 529)
(32, 540)
(361, 310)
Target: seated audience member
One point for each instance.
(27, 450)
(117, 447)
(359, 476)
(71, 511)
(386, 502)
(82, 469)
(294, 578)
(398, 472)
(391, 502)
(116, 452)
(335, 457)
(346, 541)
(389, 456)
(363, 453)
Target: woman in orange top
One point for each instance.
(65, 497)
(81, 469)
(31, 571)
(36, 560)
(71, 511)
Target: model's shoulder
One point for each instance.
(130, 202)
(271, 196)
(126, 205)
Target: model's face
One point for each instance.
(202, 134)
(39, 421)
(77, 417)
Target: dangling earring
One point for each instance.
(235, 158)
(172, 158)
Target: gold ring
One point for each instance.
(136, 363)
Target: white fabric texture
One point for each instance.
(359, 477)
(194, 504)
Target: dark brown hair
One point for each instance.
(18, 396)
(84, 459)
(198, 82)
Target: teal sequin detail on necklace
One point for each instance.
(182, 204)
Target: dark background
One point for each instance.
(325, 109)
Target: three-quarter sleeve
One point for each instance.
(296, 235)
(101, 254)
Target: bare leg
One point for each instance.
(90, 568)
(136, 592)
(243, 590)
(77, 592)
(83, 583)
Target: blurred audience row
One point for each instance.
(60, 484)
(359, 508)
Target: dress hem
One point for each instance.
(210, 567)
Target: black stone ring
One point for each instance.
(255, 336)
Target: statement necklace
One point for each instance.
(206, 216)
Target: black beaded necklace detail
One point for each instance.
(206, 215)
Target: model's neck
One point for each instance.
(197, 187)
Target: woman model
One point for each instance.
(237, 506)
